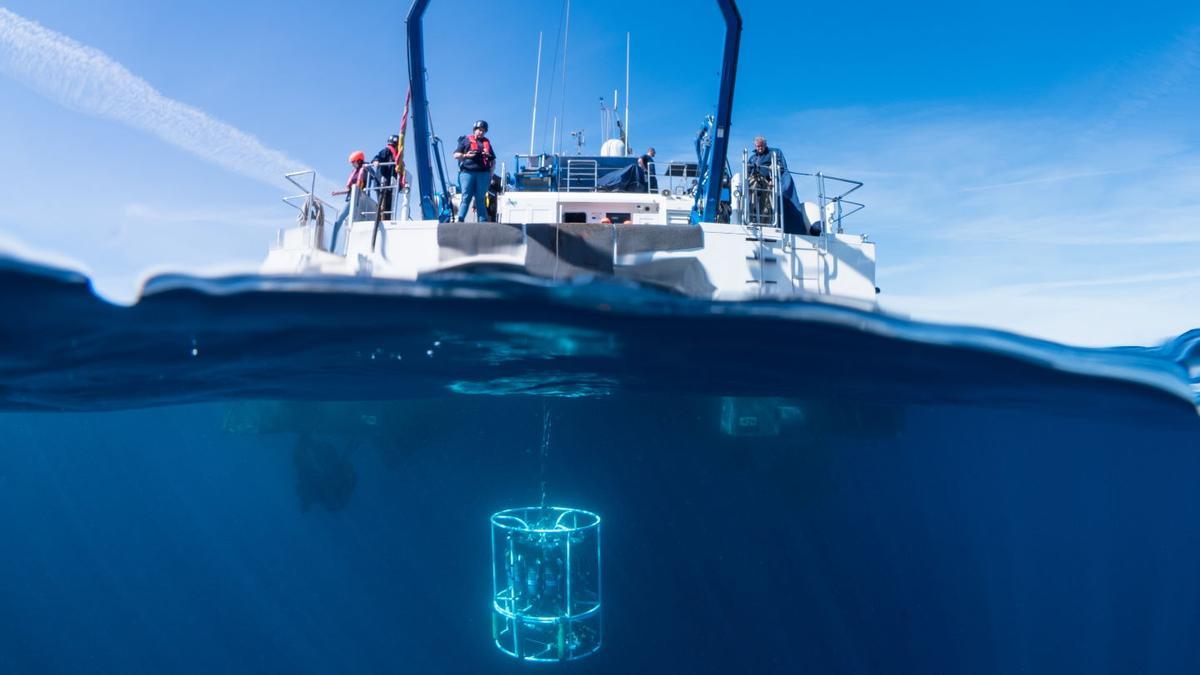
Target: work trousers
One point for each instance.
(474, 186)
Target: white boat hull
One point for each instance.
(716, 261)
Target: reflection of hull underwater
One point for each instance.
(712, 261)
(330, 437)
(794, 418)
(324, 475)
(419, 424)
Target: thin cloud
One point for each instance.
(1075, 218)
(1051, 178)
(1176, 67)
(86, 80)
(1125, 318)
(1123, 281)
(259, 218)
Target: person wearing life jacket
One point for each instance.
(476, 159)
(358, 176)
(383, 173)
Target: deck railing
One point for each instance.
(314, 212)
(834, 207)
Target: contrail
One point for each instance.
(87, 80)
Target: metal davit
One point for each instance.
(546, 583)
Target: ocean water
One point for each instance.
(256, 475)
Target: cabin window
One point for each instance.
(618, 218)
(574, 217)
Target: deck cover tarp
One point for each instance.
(565, 250)
(570, 250)
(648, 238)
(620, 180)
(793, 212)
(458, 240)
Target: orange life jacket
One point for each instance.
(486, 156)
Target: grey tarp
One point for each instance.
(620, 180)
(569, 250)
(456, 240)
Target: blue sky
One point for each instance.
(1033, 166)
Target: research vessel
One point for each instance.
(704, 227)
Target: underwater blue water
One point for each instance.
(264, 475)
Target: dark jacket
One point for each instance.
(384, 156)
(646, 172)
(762, 163)
(476, 163)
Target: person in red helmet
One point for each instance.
(357, 178)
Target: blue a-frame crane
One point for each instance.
(715, 170)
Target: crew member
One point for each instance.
(646, 170)
(475, 161)
(383, 172)
(493, 197)
(760, 159)
(357, 179)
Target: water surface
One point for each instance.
(263, 475)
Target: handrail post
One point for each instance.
(776, 193)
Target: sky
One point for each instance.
(1030, 166)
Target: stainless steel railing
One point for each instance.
(582, 175)
(378, 192)
(833, 207)
(760, 197)
(678, 178)
(314, 212)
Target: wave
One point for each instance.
(189, 339)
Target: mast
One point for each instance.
(537, 78)
(614, 118)
(562, 111)
(628, 148)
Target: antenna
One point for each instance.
(579, 141)
(628, 148)
(614, 113)
(603, 119)
(537, 79)
(554, 138)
